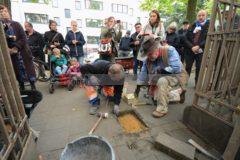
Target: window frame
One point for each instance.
(93, 26)
(77, 1)
(55, 6)
(27, 13)
(66, 9)
(79, 26)
(88, 7)
(97, 39)
(58, 21)
(120, 8)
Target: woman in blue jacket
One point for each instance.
(75, 40)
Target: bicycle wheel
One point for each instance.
(37, 70)
(44, 75)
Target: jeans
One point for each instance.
(136, 63)
(61, 69)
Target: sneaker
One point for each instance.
(157, 114)
(93, 110)
(116, 110)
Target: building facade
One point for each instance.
(89, 14)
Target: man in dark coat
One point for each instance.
(172, 38)
(20, 52)
(105, 74)
(53, 39)
(35, 41)
(75, 40)
(182, 33)
(135, 45)
(124, 46)
(195, 42)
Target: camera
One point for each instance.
(118, 21)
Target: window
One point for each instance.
(138, 19)
(114, 8)
(130, 26)
(69, 29)
(124, 25)
(94, 23)
(125, 9)
(79, 22)
(36, 18)
(78, 5)
(57, 19)
(91, 4)
(92, 39)
(119, 8)
(67, 13)
(55, 3)
(130, 11)
(36, 1)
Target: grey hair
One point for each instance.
(117, 69)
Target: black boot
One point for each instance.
(21, 87)
(33, 87)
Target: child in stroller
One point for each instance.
(74, 73)
(58, 67)
(60, 62)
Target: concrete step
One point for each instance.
(174, 147)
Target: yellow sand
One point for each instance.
(130, 123)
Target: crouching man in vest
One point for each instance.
(162, 71)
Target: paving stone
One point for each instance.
(174, 147)
(124, 153)
(53, 155)
(161, 155)
(52, 140)
(76, 136)
(55, 122)
(171, 126)
(81, 123)
(148, 157)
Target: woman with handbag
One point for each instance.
(53, 39)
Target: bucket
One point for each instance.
(88, 148)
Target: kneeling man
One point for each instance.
(109, 77)
(162, 71)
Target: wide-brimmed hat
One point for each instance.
(149, 45)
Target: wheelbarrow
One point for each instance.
(88, 148)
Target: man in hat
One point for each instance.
(161, 71)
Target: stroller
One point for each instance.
(74, 74)
(58, 79)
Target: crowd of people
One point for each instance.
(159, 53)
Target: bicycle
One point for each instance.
(42, 70)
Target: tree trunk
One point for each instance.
(191, 10)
